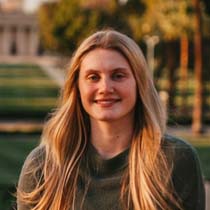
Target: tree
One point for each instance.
(171, 21)
(46, 15)
(70, 25)
(73, 20)
(198, 98)
(64, 24)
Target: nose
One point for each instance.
(106, 86)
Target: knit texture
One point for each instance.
(100, 180)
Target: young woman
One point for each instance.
(105, 147)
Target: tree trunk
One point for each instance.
(197, 126)
(171, 66)
(184, 56)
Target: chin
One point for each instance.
(106, 118)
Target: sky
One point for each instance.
(28, 5)
(31, 5)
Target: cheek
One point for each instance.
(131, 89)
(81, 92)
(81, 88)
(133, 95)
(85, 93)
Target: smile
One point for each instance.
(106, 102)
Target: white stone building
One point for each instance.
(19, 31)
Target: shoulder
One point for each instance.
(180, 148)
(186, 172)
(183, 155)
(31, 172)
(175, 142)
(36, 156)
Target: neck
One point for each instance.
(110, 138)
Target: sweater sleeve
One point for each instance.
(187, 177)
(30, 175)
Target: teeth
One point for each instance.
(105, 102)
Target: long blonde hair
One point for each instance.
(147, 184)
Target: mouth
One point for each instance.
(106, 102)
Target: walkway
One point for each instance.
(47, 63)
(26, 126)
(49, 66)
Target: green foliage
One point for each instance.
(74, 20)
(46, 16)
(206, 25)
(68, 22)
(168, 19)
(71, 23)
(65, 24)
(207, 6)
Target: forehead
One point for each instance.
(104, 58)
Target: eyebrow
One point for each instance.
(89, 71)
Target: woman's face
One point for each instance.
(107, 86)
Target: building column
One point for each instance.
(21, 41)
(1, 40)
(6, 40)
(33, 41)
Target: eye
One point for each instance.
(118, 76)
(93, 77)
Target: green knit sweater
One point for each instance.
(100, 180)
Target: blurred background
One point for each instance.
(38, 37)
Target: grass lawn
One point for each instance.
(202, 145)
(13, 150)
(204, 155)
(26, 92)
